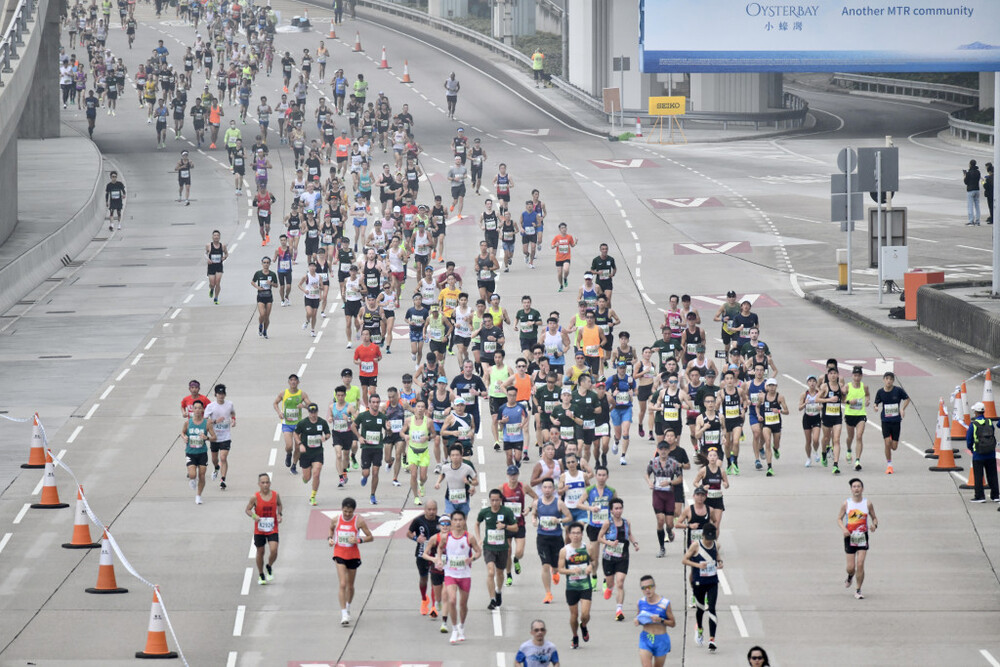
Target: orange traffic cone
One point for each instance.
(966, 414)
(156, 638)
(941, 428)
(81, 527)
(357, 42)
(385, 62)
(50, 494)
(106, 582)
(333, 30)
(970, 484)
(407, 79)
(36, 456)
(946, 459)
(957, 428)
(988, 402)
(638, 127)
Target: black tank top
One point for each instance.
(215, 253)
(490, 221)
(731, 405)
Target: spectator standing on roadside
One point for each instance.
(981, 440)
(988, 191)
(538, 65)
(971, 181)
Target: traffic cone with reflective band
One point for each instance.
(156, 638)
(938, 430)
(966, 415)
(106, 582)
(357, 42)
(81, 526)
(638, 127)
(957, 428)
(36, 455)
(50, 494)
(988, 402)
(407, 79)
(969, 484)
(946, 458)
(385, 61)
(333, 30)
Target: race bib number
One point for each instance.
(373, 437)
(662, 483)
(732, 411)
(292, 414)
(622, 398)
(340, 425)
(712, 437)
(367, 366)
(515, 508)
(548, 522)
(812, 409)
(513, 429)
(833, 409)
(265, 524)
(314, 440)
(615, 551)
(715, 493)
(457, 562)
(346, 538)
(710, 569)
(600, 516)
(891, 409)
(772, 418)
(566, 432)
(859, 539)
(395, 425)
(588, 423)
(671, 414)
(496, 536)
(603, 429)
(457, 496)
(490, 347)
(592, 350)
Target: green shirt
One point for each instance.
(703, 391)
(197, 437)
(312, 435)
(232, 134)
(371, 428)
(496, 539)
(583, 407)
(665, 349)
(528, 323)
(578, 559)
(547, 399)
(566, 425)
(353, 395)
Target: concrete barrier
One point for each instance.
(954, 318)
(31, 268)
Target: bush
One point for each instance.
(482, 25)
(984, 117)
(625, 136)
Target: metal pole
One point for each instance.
(850, 167)
(565, 50)
(996, 163)
(878, 222)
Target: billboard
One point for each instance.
(819, 36)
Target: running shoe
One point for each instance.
(777, 452)
(193, 484)
(215, 474)
(395, 482)
(555, 577)
(623, 461)
(888, 469)
(510, 580)
(848, 456)
(575, 643)
(584, 633)
(836, 469)
(614, 447)
(198, 500)
(261, 581)
(288, 459)
(312, 498)
(607, 591)
(354, 462)
(222, 485)
(736, 469)
(496, 446)
(364, 481)
(858, 595)
(619, 615)
(661, 553)
(444, 628)
(434, 612)
(642, 432)
(547, 599)
(425, 606)
(374, 500)
(770, 471)
(824, 461)
(699, 637)
(268, 573)
(808, 462)
(417, 501)
(857, 464)
(758, 465)
(729, 469)
(492, 605)
(294, 469)
(461, 633)
(978, 500)
(517, 567)
(711, 645)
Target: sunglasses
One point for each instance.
(538, 629)
(647, 587)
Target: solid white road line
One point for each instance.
(501, 659)
(724, 583)
(241, 612)
(247, 579)
(73, 435)
(738, 618)
(497, 627)
(989, 657)
(272, 457)
(277, 431)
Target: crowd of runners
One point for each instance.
(555, 383)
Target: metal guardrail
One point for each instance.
(881, 84)
(793, 115)
(13, 36)
(969, 131)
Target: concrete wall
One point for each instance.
(987, 90)
(448, 9)
(40, 118)
(746, 92)
(548, 19)
(8, 190)
(581, 53)
(952, 317)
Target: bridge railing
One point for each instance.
(13, 36)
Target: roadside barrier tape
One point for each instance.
(111, 538)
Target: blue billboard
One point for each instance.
(819, 36)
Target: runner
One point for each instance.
(663, 474)
(550, 514)
(892, 401)
(537, 651)
(451, 87)
(222, 414)
(311, 285)
(366, 358)
(695, 517)
(769, 413)
(183, 169)
(265, 510)
(754, 395)
(563, 243)
(417, 433)
(604, 269)
(460, 480)
(655, 616)
(703, 557)
(421, 530)
(195, 432)
(500, 525)
(369, 429)
(856, 403)
(114, 199)
(529, 224)
(812, 419)
(856, 519)
(733, 408)
(289, 405)
(340, 416)
(347, 531)
(310, 433)
(264, 281)
(621, 388)
(216, 253)
(514, 493)
(194, 394)
(832, 393)
(713, 477)
(616, 535)
(455, 552)
(456, 176)
(576, 565)
(513, 420)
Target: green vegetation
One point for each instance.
(625, 136)
(549, 43)
(985, 117)
(964, 79)
(482, 25)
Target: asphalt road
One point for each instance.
(144, 326)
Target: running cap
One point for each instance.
(313, 407)
(395, 209)
(461, 130)
(444, 520)
(711, 373)
(700, 491)
(443, 379)
(770, 382)
(184, 152)
(978, 407)
(513, 470)
(220, 389)
(459, 401)
(566, 390)
(811, 377)
(857, 370)
(588, 276)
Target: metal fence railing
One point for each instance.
(890, 86)
(13, 36)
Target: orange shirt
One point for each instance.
(562, 243)
(343, 146)
(215, 114)
(368, 355)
